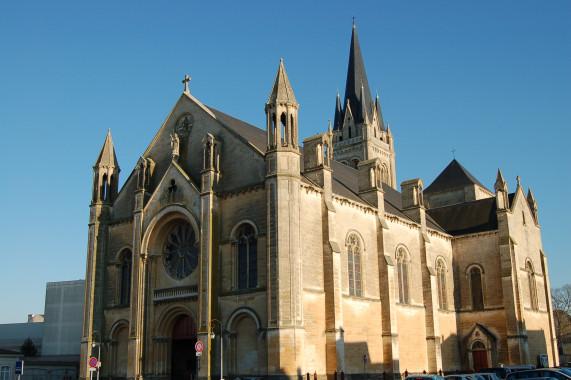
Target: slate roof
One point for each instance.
(344, 178)
(452, 177)
(467, 217)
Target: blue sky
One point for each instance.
(490, 79)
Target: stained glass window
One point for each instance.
(476, 285)
(354, 265)
(441, 279)
(180, 255)
(247, 258)
(402, 273)
(126, 265)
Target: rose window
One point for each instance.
(180, 254)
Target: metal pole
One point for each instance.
(98, 357)
(221, 353)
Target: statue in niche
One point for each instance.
(175, 146)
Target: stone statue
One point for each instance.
(175, 143)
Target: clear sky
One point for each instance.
(490, 79)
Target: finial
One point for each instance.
(281, 60)
(185, 81)
(354, 20)
(329, 130)
(454, 153)
(518, 180)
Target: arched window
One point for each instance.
(531, 285)
(402, 273)
(285, 132)
(354, 163)
(441, 279)
(476, 288)
(126, 265)
(354, 265)
(247, 257)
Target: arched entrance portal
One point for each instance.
(183, 358)
(479, 356)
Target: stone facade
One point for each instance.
(296, 263)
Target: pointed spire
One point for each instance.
(532, 205)
(530, 197)
(107, 155)
(356, 77)
(500, 184)
(338, 120)
(501, 188)
(106, 173)
(282, 91)
(379, 114)
(388, 128)
(364, 115)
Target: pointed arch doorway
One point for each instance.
(479, 356)
(183, 356)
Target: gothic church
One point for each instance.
(287, 259)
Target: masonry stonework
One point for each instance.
(285, 260)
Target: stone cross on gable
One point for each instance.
(185, 81)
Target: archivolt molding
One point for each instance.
(244, 310)
(167, 319)
(356, 233)
(128, 246)
(239, 224)
(163, 216)
(117, 325)
(474, 265)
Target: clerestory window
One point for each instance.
(354, 265)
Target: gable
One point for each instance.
(174, 188)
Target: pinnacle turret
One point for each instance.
(106, 173)
(338, 120)
(282, 91)
(107, 155)
(281, 114)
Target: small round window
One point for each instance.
(180, 253)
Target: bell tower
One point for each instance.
(285, 332)
(359, 130)
(105, 189)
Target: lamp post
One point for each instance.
(98, 344)
(213, 322)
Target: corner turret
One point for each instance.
(281, 114)
(106, 173)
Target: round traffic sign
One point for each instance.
(198, 346)
(93, 362)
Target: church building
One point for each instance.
(282, 258)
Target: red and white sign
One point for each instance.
(198, 346)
